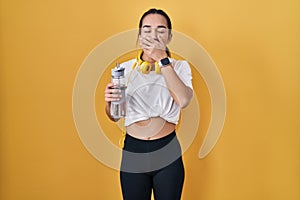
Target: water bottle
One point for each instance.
(118, 108)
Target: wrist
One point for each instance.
(166, 69)
(164, 62)
(161, 56)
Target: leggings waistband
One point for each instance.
(136, 145)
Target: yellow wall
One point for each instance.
(255, 45)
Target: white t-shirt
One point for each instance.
(148, 96)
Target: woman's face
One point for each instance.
(155, 26)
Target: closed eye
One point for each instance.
(146, 30)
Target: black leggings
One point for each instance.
(152, 164)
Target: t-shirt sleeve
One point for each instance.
(183, 70)
(128, 68)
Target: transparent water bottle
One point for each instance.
(118, 108)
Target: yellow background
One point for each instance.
(255, 45)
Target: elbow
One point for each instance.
(184, 102)
(185, 99)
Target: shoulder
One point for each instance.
(180, 65)
(128, 65)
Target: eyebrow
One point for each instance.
(148, 26)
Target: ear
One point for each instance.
(138, 37)
(169, 38)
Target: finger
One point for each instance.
(155, 43)
(112, 97)
(112, 91)
(148, 39)
(159, 37)
(146, 43)
(109, 85)
(161, 43)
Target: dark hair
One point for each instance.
(159, 12)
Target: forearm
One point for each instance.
(181, 93)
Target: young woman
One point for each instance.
(157, 88)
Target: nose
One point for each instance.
(154, 34)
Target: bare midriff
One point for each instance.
(150, 129)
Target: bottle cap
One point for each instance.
(117, 71)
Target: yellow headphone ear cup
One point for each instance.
(138, 58)
(138, 62)
(157, 68)
(145, 67)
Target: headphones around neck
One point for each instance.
(144, 66)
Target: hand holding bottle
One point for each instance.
(115, 93)
(112, 93)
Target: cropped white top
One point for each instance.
(148, 96)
